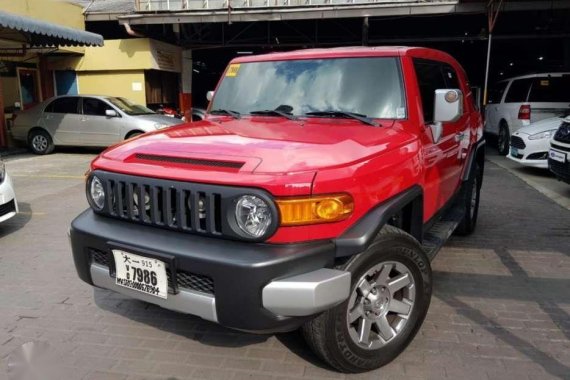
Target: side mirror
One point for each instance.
(448, 106)
(111, 113)
(210, 95)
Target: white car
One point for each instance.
(8, 204)
(517, 102)
(530, 145)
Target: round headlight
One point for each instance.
(253, 215)
(97, 193)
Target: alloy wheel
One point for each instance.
(381, 304)
(40, 143)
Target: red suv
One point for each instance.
(313, 195)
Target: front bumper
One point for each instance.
(256, 287)
(534, 154)
(560, 169)
(8, 203)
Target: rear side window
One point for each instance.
(496, 93)
(518, 92)
(64, 105)
(95, 107)
(430, 78)
(550, 89)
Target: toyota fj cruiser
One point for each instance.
(313, 195)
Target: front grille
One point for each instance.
(7, 208)
(184, 279)
(190, 207)
(559, 168)
(168, 204)
(563, 133)
(517, 142)
(560, 147)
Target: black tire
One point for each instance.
(133, 134)
(40, 142)
(470, 197)
(328, 334)
(503, 139)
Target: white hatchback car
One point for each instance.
(8, 204)
(517, 102)
(530, 145)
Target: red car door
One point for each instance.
(443, 159)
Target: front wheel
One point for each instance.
(389, 298)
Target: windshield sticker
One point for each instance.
(233, 70)
(400, 112)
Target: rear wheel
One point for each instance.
(504, 139)
(470, 196)
(389, 298)
(40, 142)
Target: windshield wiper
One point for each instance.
(362, 118)
(234, 114)
(275, 112)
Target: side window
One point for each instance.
(95, 107)
(430, 78)
(496, 92)
(450, 76)
(64, 105)
(550, 89)
(518, 92)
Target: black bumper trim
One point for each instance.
(240, 269)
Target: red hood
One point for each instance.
(262, 145)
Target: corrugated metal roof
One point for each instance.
(41, 33)
(106, 6)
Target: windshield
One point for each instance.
(367, 86)
(129, 107)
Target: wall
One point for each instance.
(115, 83)
(127, 54)
(57, 12)
(10, 91)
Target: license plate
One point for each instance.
(514, 152)
(144, 274)
(557, 156)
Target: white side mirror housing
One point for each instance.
(448, 105)
(210, 95)
(111, 113)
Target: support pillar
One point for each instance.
(186, 85)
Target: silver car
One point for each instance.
(84, 120)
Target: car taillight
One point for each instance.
(524, 112)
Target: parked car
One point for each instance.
(316, 201)
(8, 203)
(84, 120)
(559, 154)
(530, 145)
(517, 102)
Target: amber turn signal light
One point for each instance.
(317, 209)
